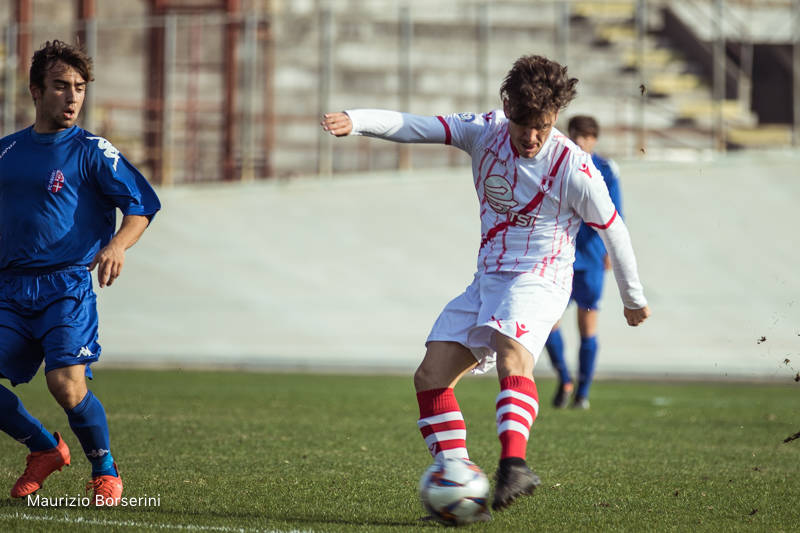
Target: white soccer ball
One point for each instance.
(454, 491)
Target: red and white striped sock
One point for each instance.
(517, 406)
(441, 424)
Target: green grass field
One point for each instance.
(244, 452)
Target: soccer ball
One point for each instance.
(454, 491)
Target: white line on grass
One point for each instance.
(141, 525)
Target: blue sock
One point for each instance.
(555, 348)
(18, 422)
(587, 357)
(88, 422)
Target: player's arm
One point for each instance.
(109, 260)
(623, 262)
(590, 198)
(389, 125)
(124, 187)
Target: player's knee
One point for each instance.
(429, 376)
(423, 378)
(67, 393)
(513, 359)
(516, 363)
(66, 397)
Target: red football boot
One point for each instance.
(107, 490)
(40, 465)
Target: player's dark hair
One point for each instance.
(534, 86)
(53, 51)
(583, 126)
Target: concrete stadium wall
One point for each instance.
(350, 273)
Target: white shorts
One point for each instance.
(520, 305)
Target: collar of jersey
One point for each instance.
(50, 138)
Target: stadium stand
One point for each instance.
(651, 91)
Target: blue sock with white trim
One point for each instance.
(88, 422)
(555, 349)
(587, 357)
(18, 422)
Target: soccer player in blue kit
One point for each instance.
(591, 262)
(60, 187)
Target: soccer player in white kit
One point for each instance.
(534, 186)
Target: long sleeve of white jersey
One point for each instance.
(618, 243)
(590, 198)
(396, 126)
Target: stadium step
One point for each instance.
(605, 11)
(769, 135)
(617, 34)
(668, 83)
(732, 110)
(652, 58)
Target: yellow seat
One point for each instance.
(657, 57)
(766, 135)
(668, 83)
(617, 34)
(731, 110)
(605, 10)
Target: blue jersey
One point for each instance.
(589, 248)
(58, 197)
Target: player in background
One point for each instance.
(60, 187)
(534, 186)
(591, 262)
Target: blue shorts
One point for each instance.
(50, 316)
(587, 288)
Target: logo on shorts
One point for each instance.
(497, 321)
(85, 352)
(521, 330)
(56, 182)
(499, 194)
(466, 117)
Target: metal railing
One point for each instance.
(192, 97)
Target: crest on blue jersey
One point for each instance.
(466, 117)
(56, 181)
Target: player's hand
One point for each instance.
(636, 316)
(338, 124)
(606, 262)
(109, 263)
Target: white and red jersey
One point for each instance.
(530, 208)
